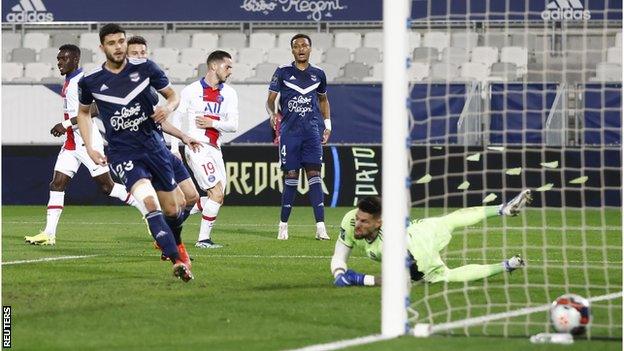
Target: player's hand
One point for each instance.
(342, 281)
(192, 143)
(275, 120)
(58, 130)
(160, 113)
(97, 157)
(326, 135)
(203, 122)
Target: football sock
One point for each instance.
(55, 207)
(199, 205)
(119, 191)
(288, 196)
(473, 272)
(175, 223)
(162, 234)
(209, 216)
(316, 198)
(469, 216)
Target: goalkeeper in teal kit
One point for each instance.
(362, 227)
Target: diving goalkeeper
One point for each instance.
(361, 227)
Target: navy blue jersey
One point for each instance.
(125, 101)
(298, 101)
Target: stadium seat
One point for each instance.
(264, 41)
(12, 70)
(202, 69)
(233, 40)
(438, 40)
(524, 39)
(455, 55)
(177, 41)
(251, 56)
(322, 40)
(608, 72)
(165, 57)
(614, 55)
(355, 71)
(232, 51)
(193, 56)
(331, 71)
(425, 54)
(466, 40)
(240, 72)
(496, 39)
(86, 55)
(516, 55)
(283, 40)
(349, 40)
(618, 39)
(154, 39)
(205, 41)
(23, 55)
(48, 55)
(474, 70)
(99, 57)
(36, 41)
(337, 56)
(376, 73)
(504, 71)
(180, 72)
(418, 71)
(59, 39)
(279, 56)
(366, 55)
(316, 55)
(11, 40)
(484, 54)
(6, 55)
(444, 71)
(37, 70)
(263, 73)
(90, 41)
(89, 67)
(374, 40)
(52, 80)
(414, 40)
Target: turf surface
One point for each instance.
(258, 293)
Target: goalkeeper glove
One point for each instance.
(354, 277)
(341, 281)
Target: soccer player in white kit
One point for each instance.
(211, 108)
(73, 153)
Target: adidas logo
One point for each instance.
(292, 78)
(29, 11)
(565, 10)
(103, 87)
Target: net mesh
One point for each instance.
(506, 96)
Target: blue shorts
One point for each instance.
(155, 166)
(180, 173)
(299, 151)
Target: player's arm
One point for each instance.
(84, 125)
(230, 123)
(272, 109)
(170, 129)
(321, 93)
(347, 277)
(161, 112)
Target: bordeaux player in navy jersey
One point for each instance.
(303, 102)
(121, 90)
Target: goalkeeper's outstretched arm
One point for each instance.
(347, 277)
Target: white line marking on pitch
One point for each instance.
(340, 344)
(47, 259)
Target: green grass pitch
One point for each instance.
(258, 293)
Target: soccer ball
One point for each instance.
(570, 313)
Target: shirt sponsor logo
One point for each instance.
(300, 105)
(121, 120)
